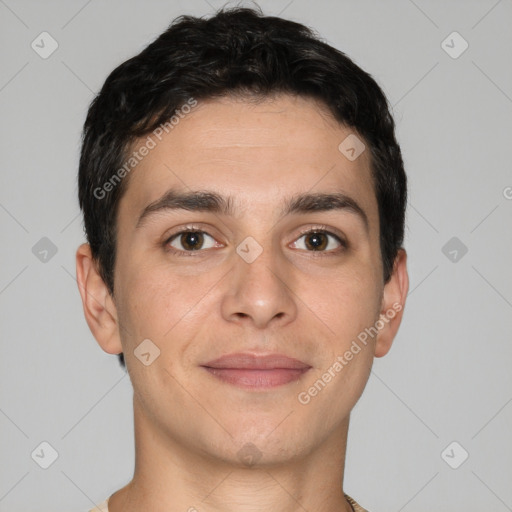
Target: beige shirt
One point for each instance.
(103, 506)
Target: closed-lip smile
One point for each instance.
(254, 371)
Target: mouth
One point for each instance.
(251, 371)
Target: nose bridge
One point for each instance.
(258, 265)
(258, 289)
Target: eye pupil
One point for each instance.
(317, 241)
(192, 240)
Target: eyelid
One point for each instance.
(324, 228)
(327, 231)
(185, 229)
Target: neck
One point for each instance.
(170, 477)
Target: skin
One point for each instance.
(293, 300)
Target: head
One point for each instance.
(253, 112)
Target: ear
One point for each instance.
(99, 308)
(393, 303)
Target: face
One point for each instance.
(254, 299)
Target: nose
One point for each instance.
(259, 293)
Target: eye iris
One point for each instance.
(317, 241)
(192, 240)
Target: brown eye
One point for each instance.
(190, 241)
(319, 241)
(316, 241)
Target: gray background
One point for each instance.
(448, 376)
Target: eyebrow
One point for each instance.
(208, 201)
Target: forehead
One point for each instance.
(257, 151)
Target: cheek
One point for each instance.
(155, 306)
(347, 303)
(143, 301)
(154, 299)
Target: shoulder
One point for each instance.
(355, 505)
(101, 507)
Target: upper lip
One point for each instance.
(249, 361)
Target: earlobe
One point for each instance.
(393, 303)
(99, 308)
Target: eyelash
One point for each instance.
(317, 229)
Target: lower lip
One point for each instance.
(257, 379)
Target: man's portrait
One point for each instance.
(284, 286)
